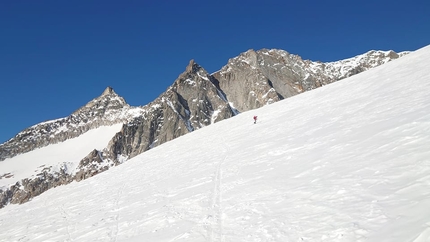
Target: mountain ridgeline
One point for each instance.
(196, 99)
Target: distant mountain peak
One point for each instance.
(257, 78)
(108, 91)
(106, 110)
(192, 62)
(109, 99)
(192, 71)
(192, 67)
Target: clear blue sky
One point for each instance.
(55, 56)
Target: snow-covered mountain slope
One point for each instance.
(196, 99)
(64, 155)
(345, 162)
(53, 153)
(105, 110)
(348, 67)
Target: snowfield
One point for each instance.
(346, 162)
(70, 152)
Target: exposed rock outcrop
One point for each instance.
(257, 78)
(192, 102)
(28, 188)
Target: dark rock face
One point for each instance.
(195, 100)
(192, 102)
(94, 163)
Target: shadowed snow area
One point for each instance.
(346, 162)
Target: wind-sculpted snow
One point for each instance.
(353, 166)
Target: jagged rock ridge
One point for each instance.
(257, 78)
(107, 109)
(196, 99)
(192, 102)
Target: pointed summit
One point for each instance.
(107, 91)
(191, 71)
(192, 66)
(108, 100)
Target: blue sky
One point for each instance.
(55, 56)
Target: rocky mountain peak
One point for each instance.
(105, 110)
(192, 75)
(107, 101)
(108, 91)
(257, 78)
(192, 67)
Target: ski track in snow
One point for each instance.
(345, 162)
(216, 215)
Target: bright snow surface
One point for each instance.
(70, 152)
(346, 162)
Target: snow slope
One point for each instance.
(70, 152)
(346, 162)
